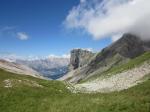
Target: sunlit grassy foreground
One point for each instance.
(27, 94)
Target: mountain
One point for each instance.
(120, 52)
(53, 67)
(18, 68)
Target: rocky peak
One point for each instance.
(129, 46)
(79, 57)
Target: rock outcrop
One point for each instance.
(79, 58)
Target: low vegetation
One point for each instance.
(131, 64)
(53, 96)
(123, 67)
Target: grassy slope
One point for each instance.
(131, 64)
(118, 69)
(24, 98)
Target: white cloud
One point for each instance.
(116, 37)
(22, 36)
(12, 31)
(87, 49)
(59, 56)
(142, 28)
(66, 56)
(7, 28)
(110, 17)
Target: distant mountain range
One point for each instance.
(53, 67)
(19, 69)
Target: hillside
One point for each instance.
(18, 68)
(119, 78)
(118, 53)
(20, 93)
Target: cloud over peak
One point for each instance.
(106, 18)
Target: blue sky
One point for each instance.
(36, 27)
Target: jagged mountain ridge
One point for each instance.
(126, 48)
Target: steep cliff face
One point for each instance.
(79, 58)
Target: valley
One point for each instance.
(74, 56)
(116, 79)
(28, 94)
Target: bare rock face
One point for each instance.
(79, 58)
(129, 46)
